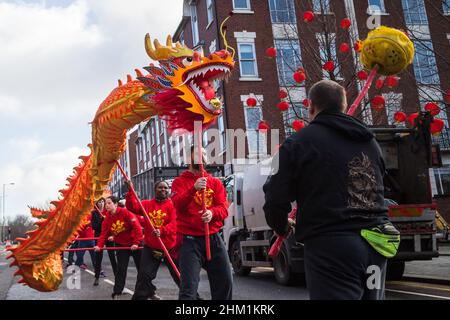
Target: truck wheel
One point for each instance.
(395, 270)
(282, 270)
(236, 260)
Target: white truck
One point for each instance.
(407, 154)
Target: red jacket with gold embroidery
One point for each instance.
(163, 217)
(187, 201)
(123, 226)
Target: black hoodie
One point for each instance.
(334, 170)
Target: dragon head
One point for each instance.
(183, 85)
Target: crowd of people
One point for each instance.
(178, 220)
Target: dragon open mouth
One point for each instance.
(201, 83)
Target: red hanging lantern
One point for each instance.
(283, 106)
(379, 83)
(447, 96)
(308, 16)
(358, 46)
(263, 126)
(392, 81)
(298, 125)
(251, 102)
(433, 108)
(399, 117)
(271, 52)
(346, 23)
(362, 75)
(329, 66)
(282, 94)
(299, 77)
(344, 48)
(436, 126)
(412, 118)
(306, 103)
(378, 102)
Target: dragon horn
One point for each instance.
(178, 45)
(157, 44)
(169, 41)
(149, 47)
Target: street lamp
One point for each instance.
(3, 209)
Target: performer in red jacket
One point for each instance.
(162, 214)
(86, 232)
(187, 198)
(122, 227)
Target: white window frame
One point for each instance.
(321, 41)
(446, 7)
(407, 14)
(327, 6)
(291, 13)
(248, 9)
(391, 108)
(255, 64)
(282, 66)
(263, 140)
(194, 23)
(376, 10)
(209, 12)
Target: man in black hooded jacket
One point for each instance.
(334, 170)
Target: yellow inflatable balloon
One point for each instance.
(389, 48)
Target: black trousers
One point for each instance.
(343, 266)
(99, 259)
(193, 258)
(123, 258)
(150, 262)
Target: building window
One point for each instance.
(296, 111)
(194, 22)
(327, 46)
(425, 67)
(157, 135)
(282, 11)
(393, 104)
(247, 60)
(414, 11)
(222, 132)
(319, 4)
(241, 4)
(255, 139)
(442, 178)
(154, 161)
(164, 152)
(376, 6)
(288, 60)
(152, 132)
(446, 7)
(210, 10)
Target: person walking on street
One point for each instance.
(162, 214)
(122, 227)
(334, 170)
(187, 198)
(97, 217)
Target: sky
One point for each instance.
(58, 60)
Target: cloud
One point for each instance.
(37, 180)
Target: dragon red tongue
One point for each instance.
(208, 91)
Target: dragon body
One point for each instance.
(180, 90)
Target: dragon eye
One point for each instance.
(188, 61)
